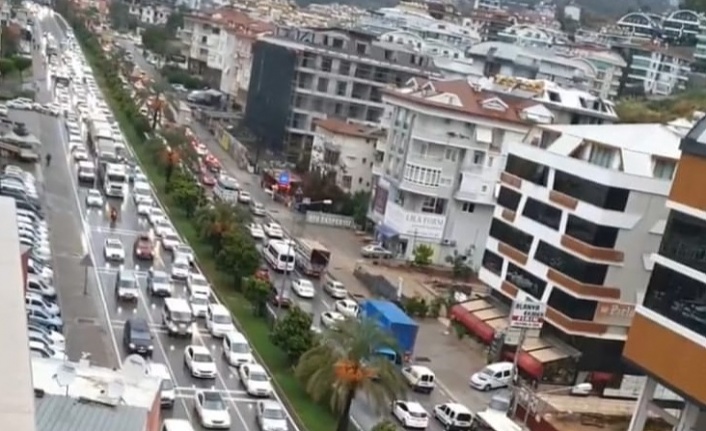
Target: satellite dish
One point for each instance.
(116, 389)
(134, 368)
(66, 374)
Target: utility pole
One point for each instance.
(526, 314)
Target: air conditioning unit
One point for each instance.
(448, 242)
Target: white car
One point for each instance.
(330, 319)
(212, 410)
(347, 307)
(80, 154)
(184, 251)
(411, 414)
(170, 240)
(19, 104)
(199, 361)
(271, 416)
(144, 209)
(181, 269)
(273, 230)
(199, 305)
(197, 283)
(41, 350)
(94, 199)
(303, 288)
(155, 215)
(113, 250)
(163, 228)
(255, 380)
(256, 231)
(244, 197)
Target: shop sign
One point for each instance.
(414, 224)
(614, 313)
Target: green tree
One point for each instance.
(174, 22)
(460, 267)
(156, 39)
(344, 365)
(186, 194)
(423, 254)
(293, 334)
(7, 66)
(9, 40)
(385, 425)
(238, 257)
(256, 292)
(22, 63)
(119, 15)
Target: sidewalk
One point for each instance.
(453, 360)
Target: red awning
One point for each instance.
(473, 324)
(527, 364)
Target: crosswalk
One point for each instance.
(237, 396)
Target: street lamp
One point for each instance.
(531, 397)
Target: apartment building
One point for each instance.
(300, 75)
(150, 14)
(667, 338)
(579, 211)
(533, 36)
(346, 150)
(656, 69)
(218, 48)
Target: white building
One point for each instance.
(572, 11)
(149, 14)
(347, 150)
(658, 70)
(580, 209)
(532, 35)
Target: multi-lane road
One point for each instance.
(95, 228)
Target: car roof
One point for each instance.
(219, 309)
(200, 349)
(414, 406)
(457, 407)
(256, 367)
(271, 404)
(139, 323)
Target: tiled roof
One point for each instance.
(60, 413)
(462, 97)
(232, 19)
(343, 127)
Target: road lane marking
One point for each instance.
(116, 231)
(227, 392)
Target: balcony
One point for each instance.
(455, 139)
(377, 169)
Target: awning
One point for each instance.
(386, 231)
(472, 324)
(476, 304)
(547, 355)
(527, 364)
(484, 135)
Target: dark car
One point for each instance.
(279, 299)
(137, 337)
(143, 247)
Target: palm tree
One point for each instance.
(345, 364)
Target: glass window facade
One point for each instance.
(511, 236)
(542, 213)
(610, 198)
(677, 297)
(509, 198)
(568, 264)
(591, 233)
(684, 241)
(525, 281)
(527, 170)
(575, 308)
(493, 262)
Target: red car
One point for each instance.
(279, 300)
(143, 247)
(208, 179)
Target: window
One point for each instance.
(322, 85)
(361, 48)
(478, 158)
(525, 281)
(678, 298)
(346, 181)
(468, 207)
(511, 236)
(341, 88)
(337, 43)
(509, 198)
(542, 213)
(492, 262)
(601, 156)
(433, 205)
(344, 68)
(527, 170)
(610, 198)
(423, 176)
(451, 154)
(570, 265)
(684, 241)
(591, 233)
(570, 306)
(326, 64)
(664, 169)
(204, 39)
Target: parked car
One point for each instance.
(375, 251)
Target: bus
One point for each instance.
(280, 254)
(226, 189)
(312, 257)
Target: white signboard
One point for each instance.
(527, 314)
(414, 224)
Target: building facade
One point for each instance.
(670, 317)
(150, 14)
(301, 75)
(347, 151)
(579, 211)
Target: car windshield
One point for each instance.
(180, 316)
(258, 376)
(140, 334)
(419, 415)
(486, 372)
(213, 401)
(183, 249)
(202, 357)
(223, 319)
(127, 283)
(166, 385)
(160, 279)
(113, 243)
(198, 281)
(199, 300)
(273, 413)
(240, 348)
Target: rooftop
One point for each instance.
(16, 397)
(95, 384)
(342, 127)
(60, 413)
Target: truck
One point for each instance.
(114, 180)
(101, 141)
(396, 323)
(312, 258)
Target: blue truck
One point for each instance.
(396, 322)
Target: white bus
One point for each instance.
(280, 254)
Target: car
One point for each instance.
(207, 179)
(137, 337)
(20, 104)
(94, 199)
(257, 209)
(170, 240)
(40, 337)
(303, 288)
(184, 251)
(37, 300)
(271, 416)
(143, 209)
(419, 378)
(38, 285)
(80, 154)
(181, 269)
(163, 227)
(244, 197)
(126, 285)
(453, 416)
(255, 380)
(347, 307)
(330, 319)
(197, 283)
(143, 247)
(199, 361)
(279, 299)
(273, 230)
(411, 414)
(36, 268)
(199, 304)
(180, 88)
(39, 316)
(256, 231)
(375, 251)
(236, 349)
(218, 320)
(113, 250)
(493, 376)
(56, 338)
(40, 349)
(159, 283)
(335, 289)
(155, 215)
(212, 410)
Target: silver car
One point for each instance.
(375, 251)
(271, 416)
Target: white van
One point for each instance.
(86, 172)
(176, 425)
(420, 378)
(167, 392)
(236, 349)
(494, 376)
(218, 320)
(280, 255)
(177, 316)
(142, 192)
(453, 416)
